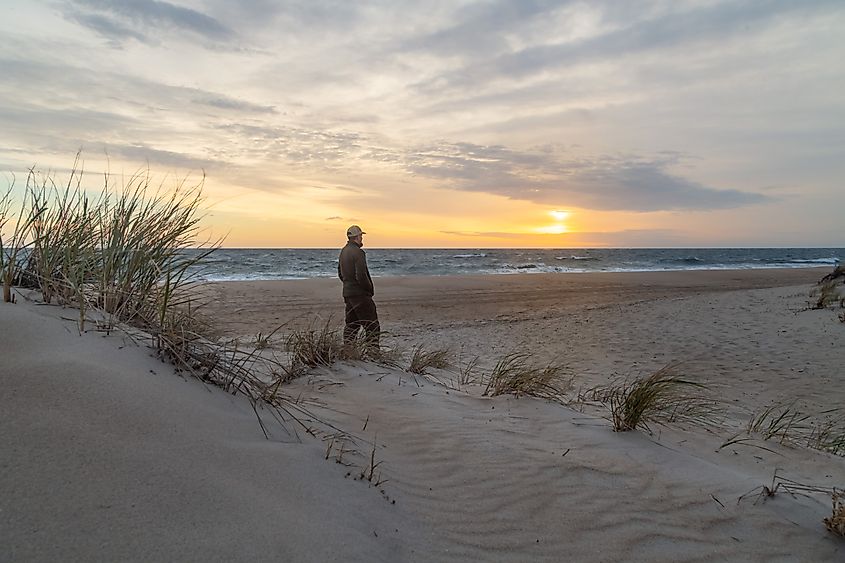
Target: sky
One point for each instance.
(463, 124)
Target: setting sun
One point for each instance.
(559, 215)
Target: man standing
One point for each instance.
(357, 290)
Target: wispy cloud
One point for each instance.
(116, 19)
(107, 27)
(549, 176)
(624, 33)
(223, 102)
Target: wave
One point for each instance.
(481, 255)
(575, 258)
(683, 260)
(832, 261)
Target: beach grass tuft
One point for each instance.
(321, 344)
(787, 424)
(778, 421)
(516, 374)
(422, 359)
(316, 345)
(662, 397)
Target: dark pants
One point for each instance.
(361, 313)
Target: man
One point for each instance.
(357, 290)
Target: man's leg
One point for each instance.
(368, 315)
(353, 323)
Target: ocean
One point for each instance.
(233, 264)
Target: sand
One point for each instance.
(106, 454)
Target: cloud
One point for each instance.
(480, 29)
(553, 177)
(224, 102)
(142, 153)
(110, 29)
(623, 34)
(115, 19)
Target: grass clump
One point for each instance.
(314, 346)
(789, 425)
(776, 421)
(322, 345)
(126, 252)
(515, 374)
(662, 397)
(422, 359)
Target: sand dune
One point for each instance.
(106, 454)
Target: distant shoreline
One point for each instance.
(293, 264)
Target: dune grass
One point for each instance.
(124, 256)
(516, 374)
(423, 359)
(321, 344)
(315, 345)
(466, 371)
(17, 242)
(663, 397)
(777, 421)
(787, 424)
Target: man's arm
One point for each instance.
(362, 273)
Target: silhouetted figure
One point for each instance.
(357, 290)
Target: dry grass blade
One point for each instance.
(465, 371)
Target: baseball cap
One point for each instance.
(354, 231)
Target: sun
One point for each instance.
(559, 227)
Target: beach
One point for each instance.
(109, 455)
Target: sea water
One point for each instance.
(230, 264)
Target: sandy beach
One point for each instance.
(106, 454)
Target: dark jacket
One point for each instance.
(353, 272)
